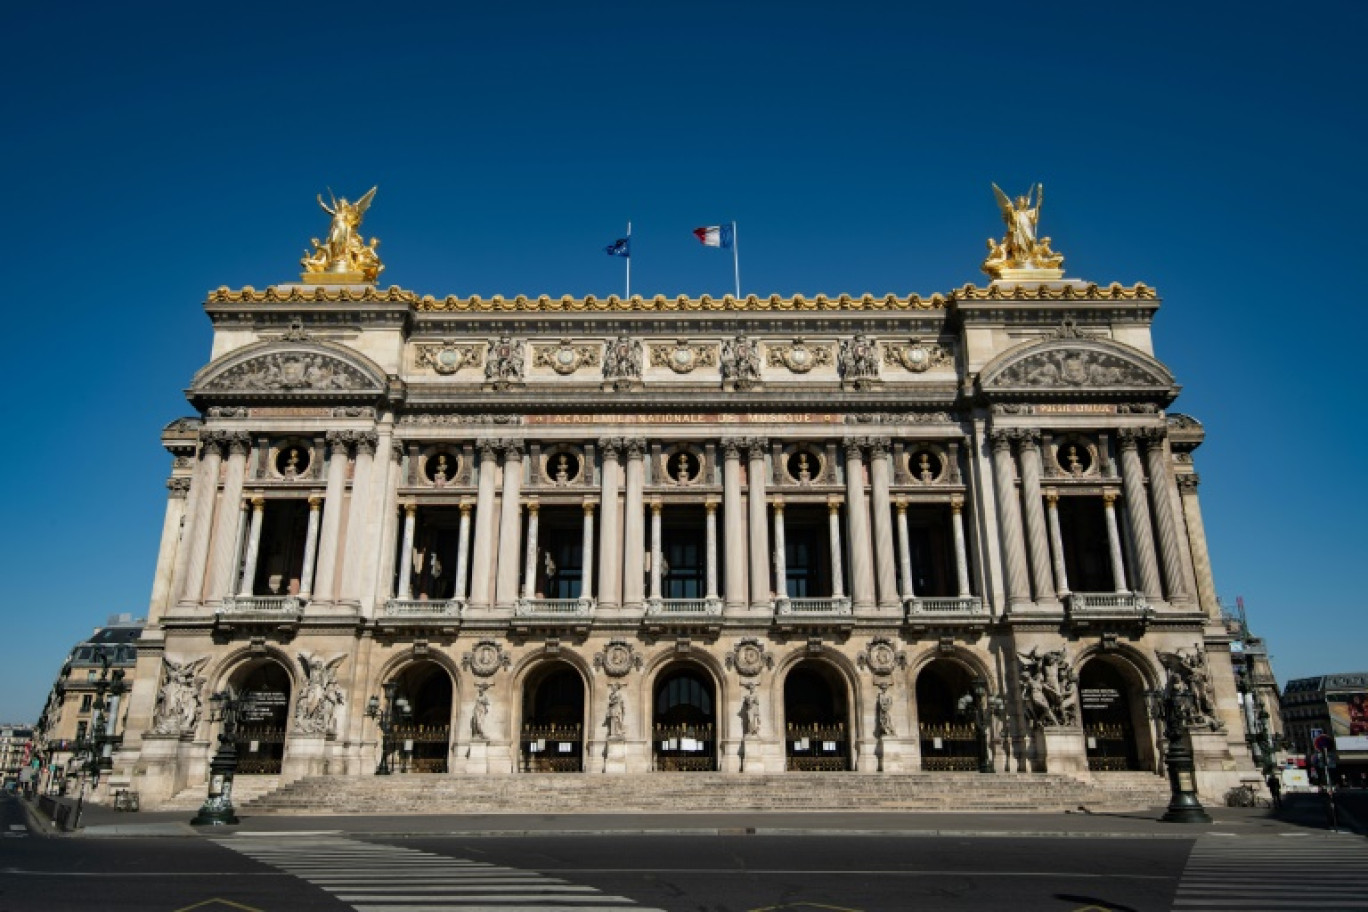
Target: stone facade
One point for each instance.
(611, 536)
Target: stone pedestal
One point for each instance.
(751, 753)
(305, 755)
(1064, 750)
(889, 755)
(162, 768)
(615, 757)
(477, 758)
(1216, 769)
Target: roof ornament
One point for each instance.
(1022, 255)
(343, 258)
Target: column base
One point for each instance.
(1064, 749)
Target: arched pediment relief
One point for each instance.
(1076, 365)
(275, 367)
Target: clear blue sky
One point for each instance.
(153, 152)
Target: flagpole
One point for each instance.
(736, 260)
(629, 261)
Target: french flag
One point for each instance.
(714, 235)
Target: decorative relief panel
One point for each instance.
(487, 657)
(617, 658)
(800, 357)
(565, 358)
(858, 358)
(682, 358)
(292, 371)
(749, 658)
(918, 356)
(504, 361)
(1075, 367)
(882, 657)
(449, 357)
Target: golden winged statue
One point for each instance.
(1022, 253)
(343, 256)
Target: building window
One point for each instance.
(86, 700)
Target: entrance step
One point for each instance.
(245, 789)
(660, 792)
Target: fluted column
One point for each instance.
(482, 562)
(904, 550)
(1162, 498)
(857, 526)
(587, 558)
(325, 579)
(1137, 511)
(780, 558)
(1056, 543)
(510, 528)
(249, 563)
(306, 572)
(610, 554)
(634, 528)
(530, 559)
(710, 551)
(834, 536)
(192, 555)
(760, 592)
(734, 529)
(168, 553)
(382, 519)
(224, 544)
(462, 552)
(1118, 567)
(357, 553)
(1201, 559)
(406, 553)
(961, 552)
(1009, 519)
(885, 562)
(655, 551)
(1037, 533)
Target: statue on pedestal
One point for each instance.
(1022, 254)
(343, 255)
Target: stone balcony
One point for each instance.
(683, 615)
(1088, 608)
(439, 615)
(277, 612)
(949, 611)
(832, 613)
(553, 615)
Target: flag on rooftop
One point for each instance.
(621, 247)
(715, 235)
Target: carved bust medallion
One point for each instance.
(749, 658)
(486, 658)
(617, 658)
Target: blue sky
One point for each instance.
(154, 152)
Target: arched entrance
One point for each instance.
(263, 689)
(421, 740)
(1109, 691)
(945, 725)
(684, 721)
(816, 718)
(552, 739)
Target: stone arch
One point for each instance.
(817, 737)
(710, 664)
(541, 741)
(1070, 362)
(431, 685)
(1119, 734)
(296, 367)
(684, 744)
(263, 721)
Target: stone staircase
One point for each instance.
(245, 789)
(701, 792)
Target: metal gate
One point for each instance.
(260, 749)
(1111, 747)
(818, 748)
(949, 747)
(420, 748)
(685, 748)
(552, 749)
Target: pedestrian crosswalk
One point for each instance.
(371, 877)
(1327, 873)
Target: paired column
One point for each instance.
(760, 592)
(734, 531)
(610, 554)
(904, 551)
(357, 554)
(633, 529)
(1161, 496)
(961, 552)
(587, 558)
(857, 519)
(1037, 534)
(1137, 510)
(1118, 567)
(710, 579)
(837, 558)
(780, 558)
(187, 578)
(1201, 559)
(224, 544)
(1056, 543)
(406, 552)
(655, 552)
(462, 553)
(325, 580)
(510, 528)
(483, 559)
(1009, 519)
(306, 573)
(249, 563)
(530, 558)
(168, 555)
(886, 574)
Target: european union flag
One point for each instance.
(621, 247)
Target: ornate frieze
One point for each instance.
(1074, 368)
(918, 356)
(448, 357)
(800, 357)
(858, 358)
(430, 420)
(565, 358)
(741, 362)
(299, 371)
(504, 361)
(901, 418)
(622, 359)
(683, 358)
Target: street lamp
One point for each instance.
(1176, 705)
(217, 809)
(96, 751)
(981, 709)
(394, 708)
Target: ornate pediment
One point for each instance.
(1076, 364)
(293, 367)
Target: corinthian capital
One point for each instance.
(878, 447)
(1001, 439)
(365, 442)
(755, 447)
(610, 447)
(1027, 438)
(1188, 483)
(178, 486)
(1128, 438)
